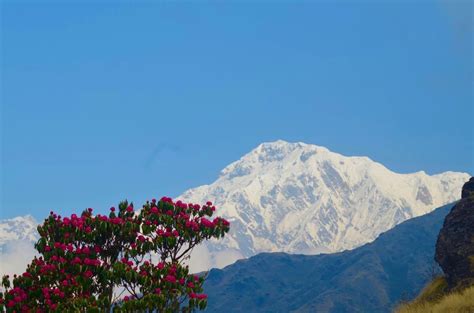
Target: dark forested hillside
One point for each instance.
(372, 278)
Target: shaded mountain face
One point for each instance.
(455, 245)
(371, 278)
(300, 198)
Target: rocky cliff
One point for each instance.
(455, 245)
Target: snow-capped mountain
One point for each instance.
(302, 198)
(18, 228)
(296, 198)
(17, 238)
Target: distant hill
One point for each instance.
(372, 278)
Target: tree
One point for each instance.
(125, 262)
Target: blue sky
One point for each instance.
(102, 102)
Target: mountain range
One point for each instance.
(302, 198)
(372, 278)
(299, 198)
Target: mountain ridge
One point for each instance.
(372, 278)
(302, 198)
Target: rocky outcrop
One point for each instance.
(455, 245)
(468, 189)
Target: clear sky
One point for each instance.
(102, 102)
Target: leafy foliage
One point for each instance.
(100, 263)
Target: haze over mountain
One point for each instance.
(302, 198)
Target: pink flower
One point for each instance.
(206, 223)
(167, 199)
(116, 221)
(170, 279)
(154, 210)
(112, 209)
(157, 291)
(130, 209)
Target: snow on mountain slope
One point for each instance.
(302, 198)
(18, 228)
(17, 238)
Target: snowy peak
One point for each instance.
(267, 154)
(302, 198)
(18, 228)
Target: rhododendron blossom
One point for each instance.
(84, 259)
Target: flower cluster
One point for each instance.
(85, 258)
(173, 228)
